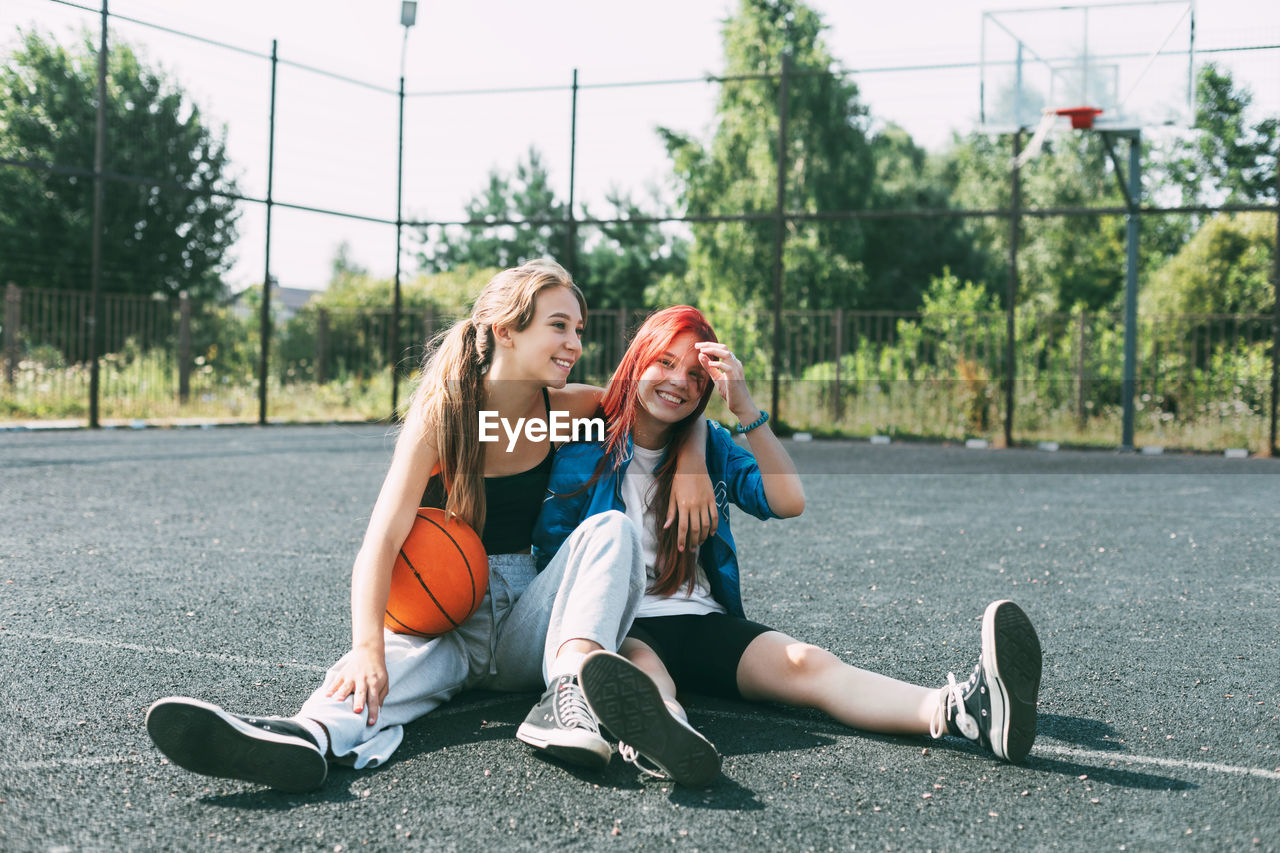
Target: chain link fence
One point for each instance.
(1201, 381)
(1204, 380)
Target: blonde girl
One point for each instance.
(511, 357)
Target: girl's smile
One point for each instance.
(551, 344)
(669, 391)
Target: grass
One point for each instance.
(145, 389)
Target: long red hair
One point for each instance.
(674, 568)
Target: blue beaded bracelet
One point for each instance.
(758, 422)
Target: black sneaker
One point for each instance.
(562, 725)
(205, 739)
(628, 704)
(997, 705)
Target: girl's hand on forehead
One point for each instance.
(727, 372)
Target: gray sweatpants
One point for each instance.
(589, 591)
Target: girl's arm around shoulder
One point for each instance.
(580, 401)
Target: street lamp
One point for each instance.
(408, 17)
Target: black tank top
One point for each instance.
(512, 502)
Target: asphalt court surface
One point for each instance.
(216, 563)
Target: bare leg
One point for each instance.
(633, 696)
(777, 668)
(644, 657)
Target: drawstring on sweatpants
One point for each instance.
(493, 620)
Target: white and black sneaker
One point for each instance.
(627, 702)
(997, 705)
(203, 738)
(561, 725)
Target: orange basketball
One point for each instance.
(439, 578)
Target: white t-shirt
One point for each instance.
(637, 487)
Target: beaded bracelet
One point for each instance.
(758, 422)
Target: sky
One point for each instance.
(335, 141)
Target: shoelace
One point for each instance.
(629, 754)
(950, 696)
(572, 708)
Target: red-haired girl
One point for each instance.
(690, 632)
(511, 358)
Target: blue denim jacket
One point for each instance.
(734, 474)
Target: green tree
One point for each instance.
(1229, 158)
(621, 262)
(829, 167)
(1224, 269)
(903, 255)
(1063, 261)
(1080, 261)
(164, 230)
(524, 195)
(834, 162)
(613, 263)
(344, 266)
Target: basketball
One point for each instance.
(439, 577)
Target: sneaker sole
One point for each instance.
(1012, 659)
(629, 705)
(204, 739)
(575, 747)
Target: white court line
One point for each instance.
(1116, 758)
(1173, 763)
(164, 650)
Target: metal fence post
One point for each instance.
(95, 263)
(264, 343)
(184, 347)
(396, 353)
(1275, 322)
(12, 317)
(322, 346)
(1129, 384)
(1011, 294)
(779, 231)
(1081, 415)
(571, 247)
(622, 334)
(839, 340)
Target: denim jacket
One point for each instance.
(733, 471)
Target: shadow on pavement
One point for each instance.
(1082, 731)
(1108, 775)
(723, 794)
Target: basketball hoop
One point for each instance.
(1081, 117)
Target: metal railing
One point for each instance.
(1203, 382)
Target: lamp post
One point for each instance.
(408, 17)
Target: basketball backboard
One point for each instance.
(1133, 61)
